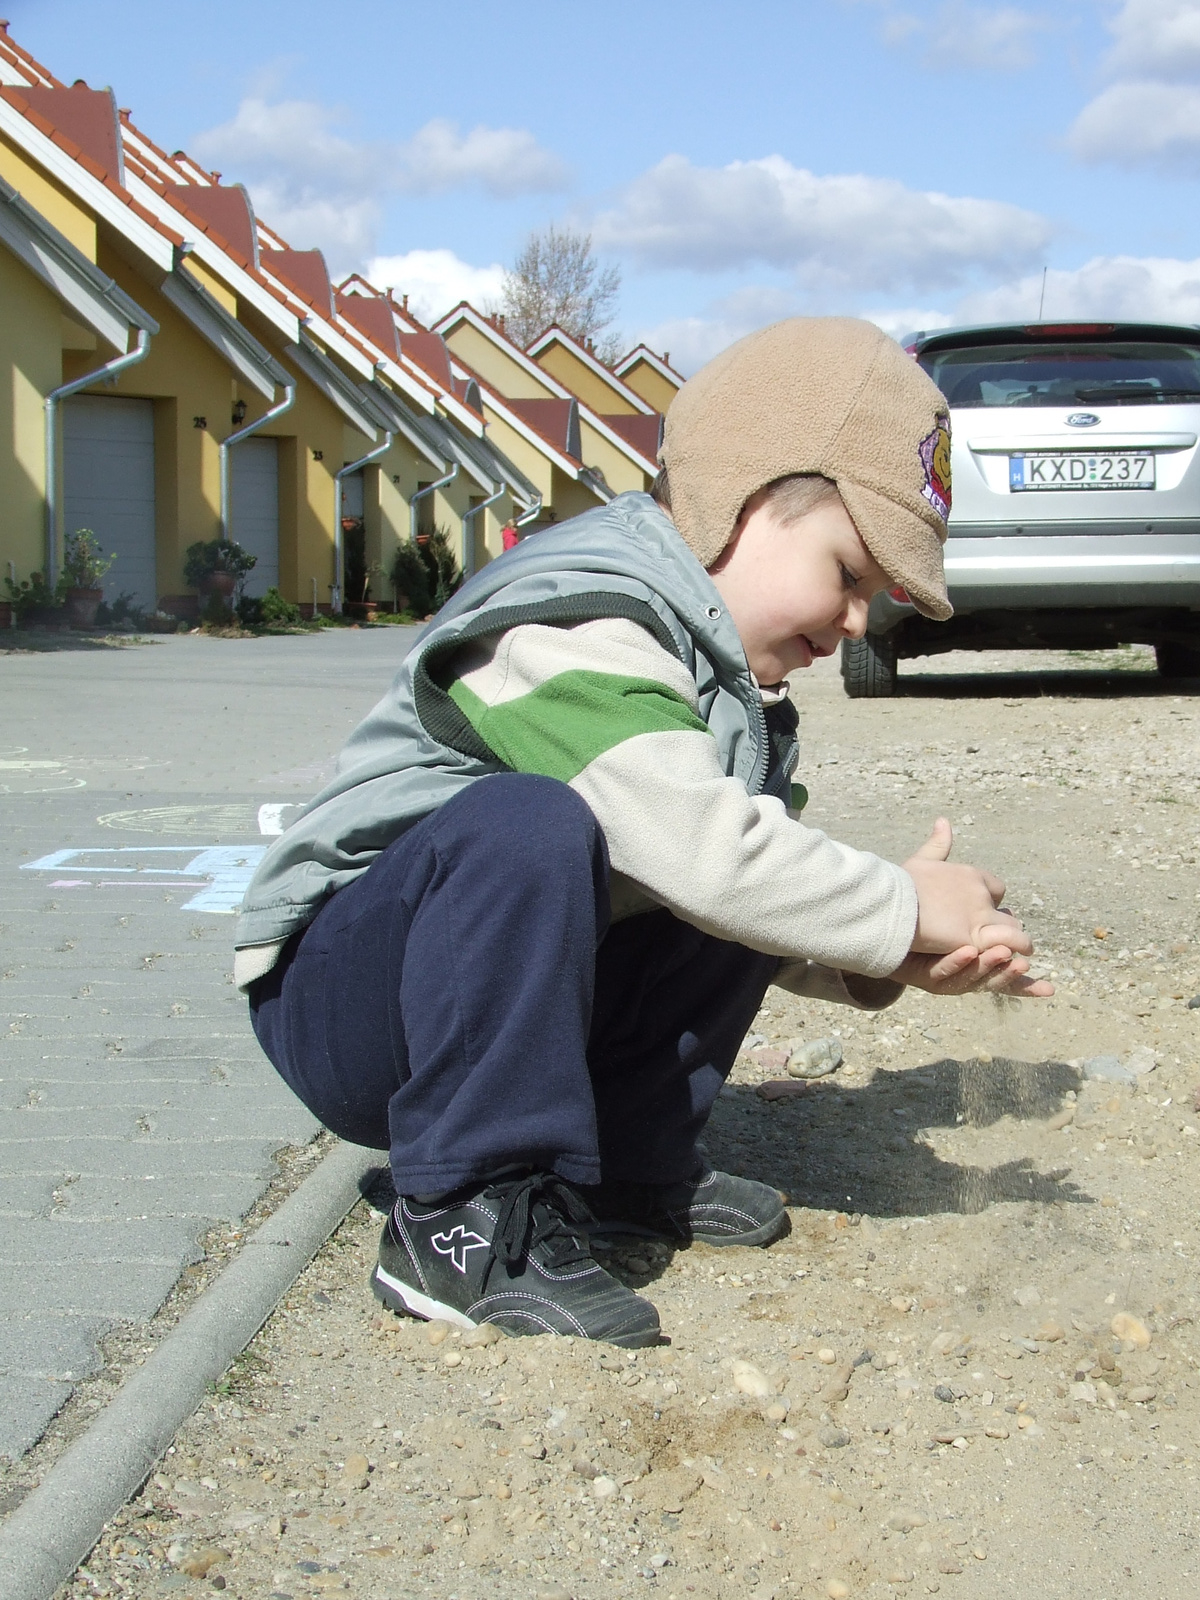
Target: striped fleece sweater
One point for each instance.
(603, 707)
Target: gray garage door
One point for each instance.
(254, 511)
(108, 486)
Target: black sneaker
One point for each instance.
(513, 1253)
(710, 1207)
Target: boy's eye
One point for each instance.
(850, 580)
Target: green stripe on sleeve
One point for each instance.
(566, 722)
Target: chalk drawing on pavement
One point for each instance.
(264, 820)
(220, 874)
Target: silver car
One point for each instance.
(1076, 497)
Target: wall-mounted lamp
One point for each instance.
(239, 413)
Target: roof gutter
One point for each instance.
(420, 495)
(528, 516)
(227, 444)
(468, 523)
(339, 555)
(105, 374)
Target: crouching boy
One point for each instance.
(519, 938)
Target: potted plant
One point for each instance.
(35, 603)
(83, 568)
(359, 572)
(216, 567)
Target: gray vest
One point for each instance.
(416, 749)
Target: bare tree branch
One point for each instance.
(557, 279)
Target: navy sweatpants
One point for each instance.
(466, 1005)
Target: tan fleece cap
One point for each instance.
(828, 395)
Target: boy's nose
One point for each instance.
(854, 622)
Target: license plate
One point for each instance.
(1109, 469)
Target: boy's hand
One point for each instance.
(970, 971)
(959, 905)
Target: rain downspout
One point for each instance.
(338, 547)
(468, 517)
(528, 516)
(108, 371)
(420, 495)
(289, 395)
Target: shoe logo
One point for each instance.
(456, 1243)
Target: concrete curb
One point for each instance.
(53, 1529)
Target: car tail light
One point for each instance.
(900, 594)
(1061, 330)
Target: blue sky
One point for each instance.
(918, 164)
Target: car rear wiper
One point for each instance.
(1123, 392)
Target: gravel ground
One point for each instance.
(970, 1368)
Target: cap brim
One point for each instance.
(904, 544)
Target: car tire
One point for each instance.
(869, 666)
(1177, 660)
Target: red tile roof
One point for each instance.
(643, 432)
(225, 208)
(372, 317)
(306, 272)
(552, 419)
(88, 117)
(429, 351)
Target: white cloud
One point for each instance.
(837, 233)
(1107, 288)
(1150, 114)
(436, 280)
(959, 36)
(1140, 123)
(318, 187)
(1156, 39)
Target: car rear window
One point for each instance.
(1046, 374)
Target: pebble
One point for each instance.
(1140, 1061)
(1128, 1327)
(200, 1562)
(945, 1393)
(770, 1060)
(748, 1379)
(905, 1521)
(834, 1438)
(899, 1576)
(637, 1265)
(437, 1332)
(1107, 1069)
(827, 1356)
(816, 1059)
(452, 1358)
(901, 1302)
(585, 1468)
(467, 1489)
(836, 1589)
(1050, 1333)
(503, 1492)
(779, 1089)
(356, 1471)
(777, 1412)
(478, 1338)
(604, 1487)
(1083, 1393)
(942, 1343)
(553, 1594)
(1141, 1394)
(949, 1566)
(1027, 1295)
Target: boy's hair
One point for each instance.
(789, 498)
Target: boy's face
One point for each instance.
(796, 592)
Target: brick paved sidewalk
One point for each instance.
(136, 1110)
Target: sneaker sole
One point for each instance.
(410, 1302)
(602, 1232)
(406, 1301)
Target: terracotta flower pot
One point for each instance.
(220, 583)
(364, 610)
(82, 606)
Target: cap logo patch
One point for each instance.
(934, 451)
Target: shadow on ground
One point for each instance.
(1085, 684)
(841, 1149)
(18, 641)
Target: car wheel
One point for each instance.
(869, 666)
(1177, 660)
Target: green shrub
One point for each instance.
(409, 577)
(31, 595)
(207, 556)
(84, 564)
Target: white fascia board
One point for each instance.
(99, 199)
(335, 342)
(418, 393)
(335, 386)
(87, 293)
(589, 360)
(462, 414)
(643, 352)
(564, 463)
(623, 445)
(204, 249)
(147, 155)
(469, 465)
(224, 333)
(506, 347)
(406, 426)
(11, 77)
